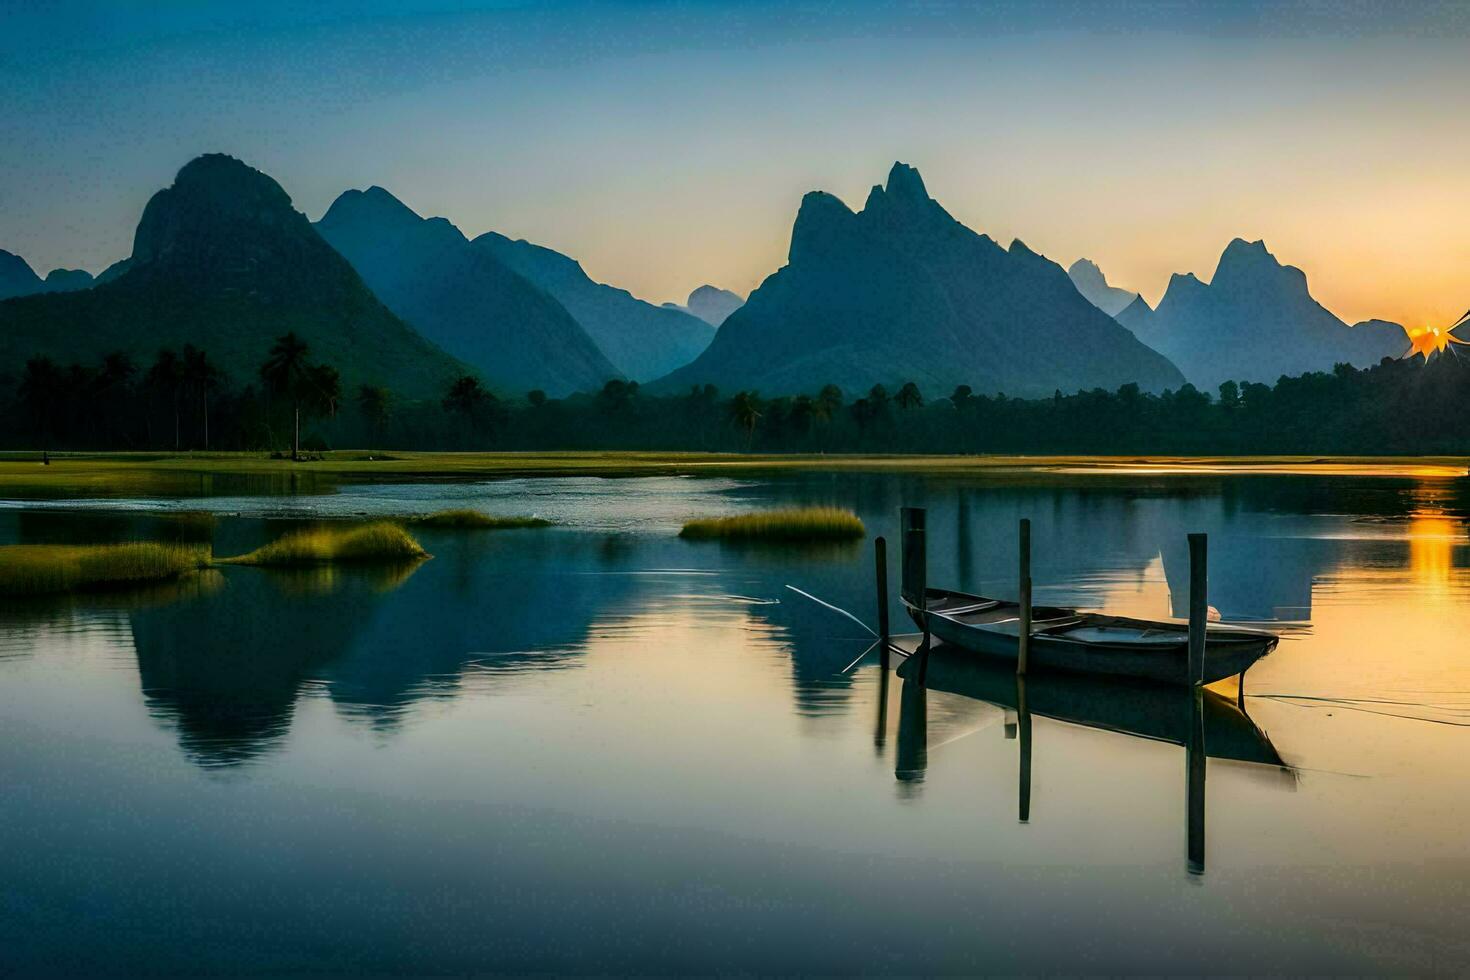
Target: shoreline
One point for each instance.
(113, 473)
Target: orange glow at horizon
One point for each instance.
(1431, 340)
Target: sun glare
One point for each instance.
(1432, 340)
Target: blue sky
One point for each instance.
(667, 145)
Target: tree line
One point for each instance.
(295, 403)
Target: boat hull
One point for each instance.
(1162, 663)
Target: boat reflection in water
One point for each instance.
(1205, 723)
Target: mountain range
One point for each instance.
(641, 340)
(1093, 285)
(898, 291)
(901, 291)
(464, 298)
(17, 278)
(222, 260)
(1255, 320)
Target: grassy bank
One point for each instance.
(48, 569)
(382, 542)
(475, 520)
(797, 524)
(155, 474)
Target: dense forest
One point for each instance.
(296, 403)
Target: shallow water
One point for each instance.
(600, 748)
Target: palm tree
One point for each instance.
(909, 397)
(745, 412)
(372, 401)
(40, 391)
(828, 403)
(285, 373)
(201, 377)
(166, 377)
(111, 388)
(465, 396)
(323, 390)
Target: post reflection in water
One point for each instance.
(1023, 726)
(1195, 759)
(1204, 723)
(912, 760)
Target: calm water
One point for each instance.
(598, 748)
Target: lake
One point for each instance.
(601, 748)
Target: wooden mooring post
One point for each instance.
(1023, 645)
(914, 583)
(1199, 605)
(1195, 757)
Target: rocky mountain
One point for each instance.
(711, 304)
(222, 260)
(641, 340)
(901, 291)
(1255, 320)
(1093, 285)
(1135, 315)
(17, 278)
(516, 335)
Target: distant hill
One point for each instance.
(222, 260)
(17, 278)
(641, 340)
(516, 335)
(1256, 321)
(902, 291)
(1135, 315)
(711, 304)
(1093, 285)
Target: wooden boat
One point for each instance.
(1086, 642)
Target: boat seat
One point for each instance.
(962, 610)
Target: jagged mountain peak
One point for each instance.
(1246, 264)
(905, 183)
(1255, 321)
(222, 259)
(375, 204)
(1087, 271)
(212, 202)
(821, 221)
(902, 291)
(1088, 277)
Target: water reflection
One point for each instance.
(1206, 723)
(628, 727)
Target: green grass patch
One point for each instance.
(473, 519)
(794, 524)
(382, 541)
(49, 569)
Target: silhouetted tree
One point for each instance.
(909, 397)
(828, 402)
(285, 373)
(745, 413)
(201, 377)
(373, 402)
(166, 378)
(40, 392)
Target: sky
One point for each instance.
(667, 145)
